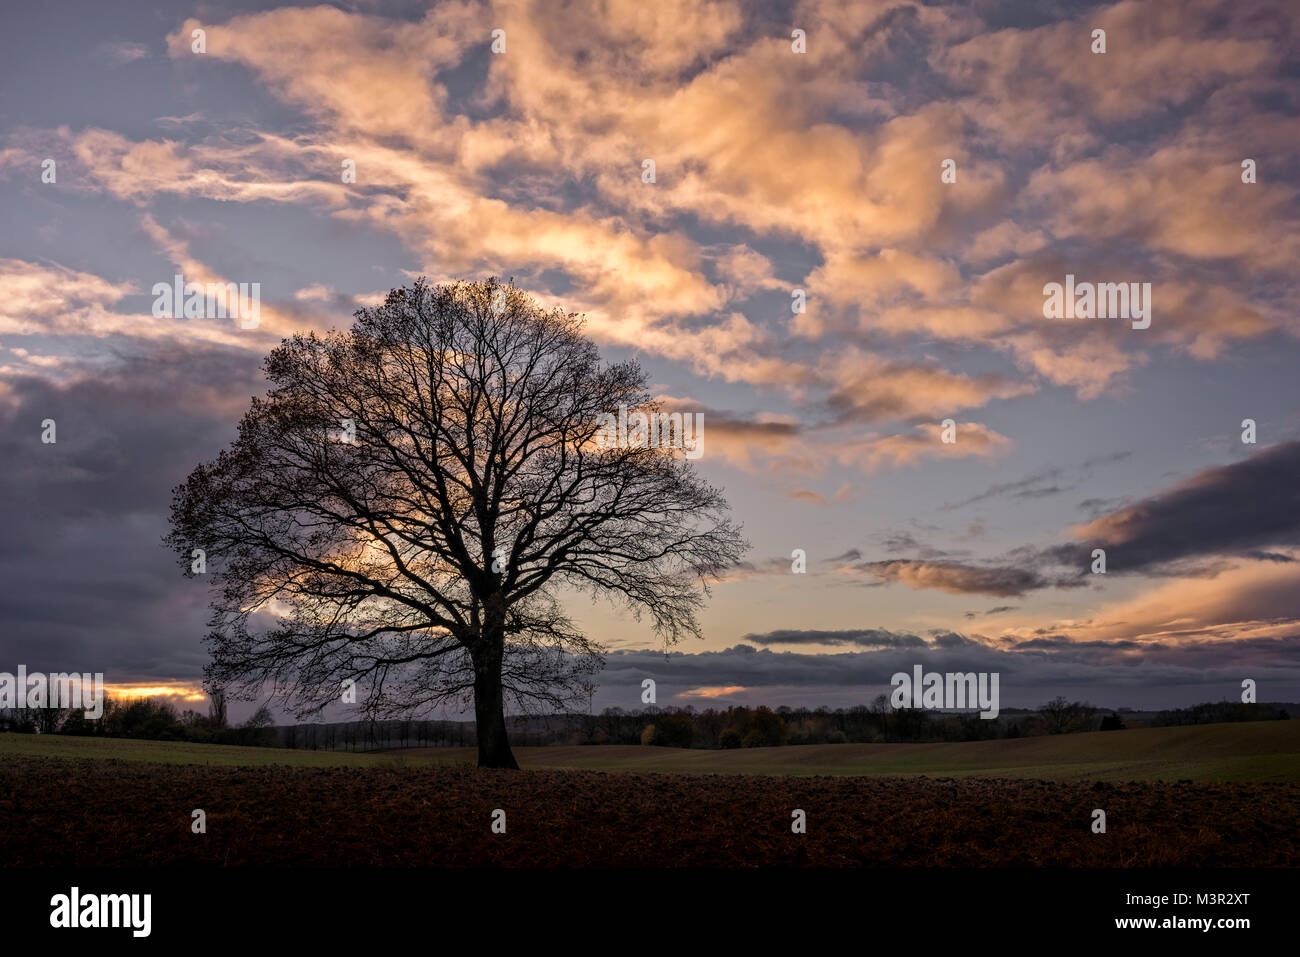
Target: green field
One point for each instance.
(1252, 751)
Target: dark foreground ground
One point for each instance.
(117, 813)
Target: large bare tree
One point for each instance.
(406, 505)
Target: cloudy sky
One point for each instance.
(774, 171)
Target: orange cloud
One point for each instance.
(188, 693)
(717, 691)
(872, 452)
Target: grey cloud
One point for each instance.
(1106, 673)
(863, 638)
(957, 577)
(88, 584)
(1231, 510)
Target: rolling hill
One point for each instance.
(1250, 751)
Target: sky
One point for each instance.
(855, 211)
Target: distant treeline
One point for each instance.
(1217, 712)
(160, 721)
(743, 727)
(740, 727)
(734, 727)
(143, 718)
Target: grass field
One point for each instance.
(1248, 752)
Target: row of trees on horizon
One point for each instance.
(734, 727)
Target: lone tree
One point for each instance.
(405, 505)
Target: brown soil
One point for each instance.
(116, 813)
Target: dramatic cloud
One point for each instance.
(1109, 674)
(837, 251)
(88, 585)
(1229, 510)
(1241, 510)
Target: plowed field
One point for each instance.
(126, 813)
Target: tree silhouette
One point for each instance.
(406, 504)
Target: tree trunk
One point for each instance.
(489, 708)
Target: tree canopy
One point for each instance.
(405, 506)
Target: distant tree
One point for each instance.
(259, 729)
(217, 707)
(1112, 722)
(145, 718)
(673, 730)
(1061, 716)
(709, 725)
(19, 720)
(910, 724)
(48, 719)
(412, 495)
(764, 730)
(730, 738)
(77, 723)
